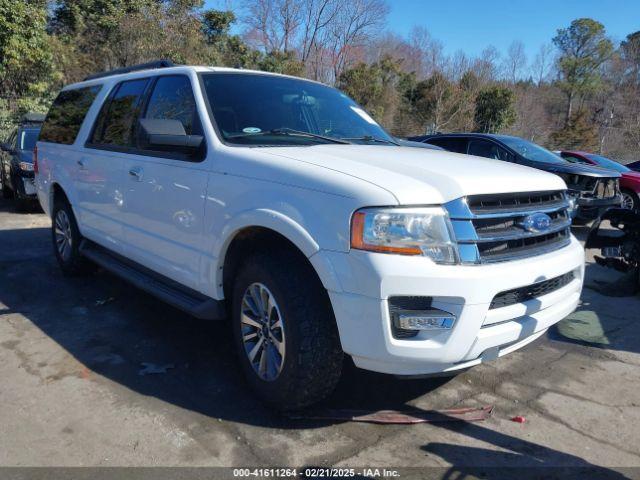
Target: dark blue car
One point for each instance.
(16, 162)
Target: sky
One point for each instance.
(471, 26)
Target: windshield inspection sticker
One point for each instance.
(251, 130)
(364, 115)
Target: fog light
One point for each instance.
(409, 315)
(425, 320)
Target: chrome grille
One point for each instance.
(488, 227)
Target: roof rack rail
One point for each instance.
(132, 68)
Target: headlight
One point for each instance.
(407, 231)
(26, 166)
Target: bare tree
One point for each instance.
(273, 24)
(515, 61)
(542, 63)
(351, 28)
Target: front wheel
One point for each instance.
(285, 332)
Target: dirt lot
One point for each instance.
(71, 352)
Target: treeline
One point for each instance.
(579, 91)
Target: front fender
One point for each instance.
(285, 226)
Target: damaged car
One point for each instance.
(592, 190)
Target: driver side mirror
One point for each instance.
(167, 136)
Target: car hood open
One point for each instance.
(422, 176)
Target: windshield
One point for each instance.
(531, 151)
(28, 139)
(254, 109)
(607, 163)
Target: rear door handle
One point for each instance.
(136, 172)
(81, 164)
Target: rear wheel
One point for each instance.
(285, 332)
(630, 200)
(66, 240)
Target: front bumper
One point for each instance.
(479, 334)
(24, 183)
(593, 208)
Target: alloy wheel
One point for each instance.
(63, 235)
(262, 331)
(627, 201)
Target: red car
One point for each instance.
(629, 182)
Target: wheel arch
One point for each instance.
(263, 230)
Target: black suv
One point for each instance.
(592, 189)
(16, 161)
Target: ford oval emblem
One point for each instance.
(537, 222)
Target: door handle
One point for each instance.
(136, 172)
(81, 164)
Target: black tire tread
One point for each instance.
(319, 357)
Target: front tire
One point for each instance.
(285, 332)
(66, 241)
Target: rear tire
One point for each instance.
(66, 240)
(300, 343)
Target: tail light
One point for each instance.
(35, 159)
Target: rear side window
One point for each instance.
(66, 115)
(118, 115)
(172, 99)
(488, 149)
(452, 144)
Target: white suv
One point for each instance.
(278, 204)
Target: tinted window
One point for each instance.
(28, 139)
(172, 99)
(530, 150)
(66, 115)
(487, 149)
(115, 122)
(247, 108)
(607, 163)
(452, 144)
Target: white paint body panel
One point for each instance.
(181, 217)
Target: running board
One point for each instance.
(187, 300)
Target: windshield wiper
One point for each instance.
(369, 138)
(290, 132)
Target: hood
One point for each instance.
(25, 156)
(420, 176)
(575, 169)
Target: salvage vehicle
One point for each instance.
(279, 205)
(16, 161)
(629, 181)
(619, 242)
(592, 190)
